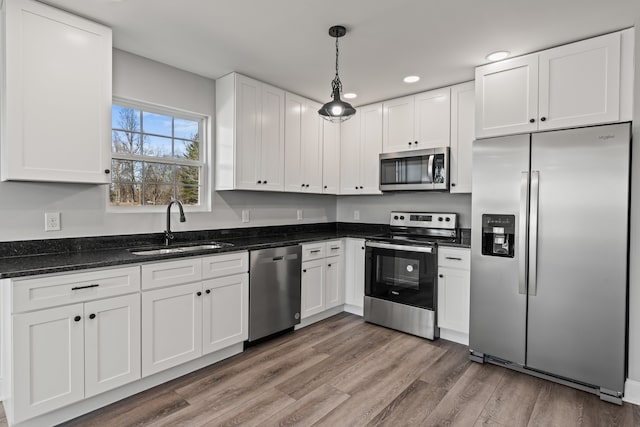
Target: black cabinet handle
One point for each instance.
(93, 285)
(453, 258)
(532, 120)
(199, 293)
(208, 291)
(77, 318)
(92, 316)
(440, 275)
(107, 171)
(314, 251)
(543, 119)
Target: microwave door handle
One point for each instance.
(430, 167)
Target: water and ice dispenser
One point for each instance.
(498, 235)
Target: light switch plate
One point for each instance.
(356, 215)
(245, 215)
(299, 215)
(52, 221)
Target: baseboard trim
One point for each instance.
(455, 336)
(632, 391)
(318, 317)
(354, 309)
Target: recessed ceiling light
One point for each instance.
(498, 55)
(350, 95)
(411, 79)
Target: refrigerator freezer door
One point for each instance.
(576, 320)
(498, 308)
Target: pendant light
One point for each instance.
(337, 110)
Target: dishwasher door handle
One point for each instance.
(278, 258)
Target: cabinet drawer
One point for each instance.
(334, 248)
(170, 273)
(312, 251)
(225, 265)
(49, 291)
(454, 257)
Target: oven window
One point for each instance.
(398, 271)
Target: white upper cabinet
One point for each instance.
(462, 136)
(360, 146)
(249, 134)
(330, 157)
(507, 97)
(578, 84)
(56, 100)
(303, 145)
(417, 121)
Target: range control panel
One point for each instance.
(424, 220)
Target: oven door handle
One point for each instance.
(406, 248)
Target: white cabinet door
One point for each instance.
(272, 139)
(293, 168)
(57, 105)
(354, 272)
(334, 283)
(331, 157)
(398, 125)
(112, 343)
(171, 327)
(580, 83)
(248, 119)
(350, 155)
(462, 136)
(48, 360)
(312, 147)
(432, 119)
(453, 299)
(370, 148)
(225, 312)
(312, 288)
(507, 97)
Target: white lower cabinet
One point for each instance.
(64, 354)
(207, 313)
(354, 275)
(321, 284)
(454, 283)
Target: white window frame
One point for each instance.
(205, 159)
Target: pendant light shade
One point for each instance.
(337, 110)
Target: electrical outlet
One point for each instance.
(299, 215)
(52, 221)
(356, 215)
(245, 215)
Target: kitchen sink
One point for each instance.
(155, 250)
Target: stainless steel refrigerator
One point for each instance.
(549, 255)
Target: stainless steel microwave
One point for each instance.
(415, 170)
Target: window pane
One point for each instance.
(156, 123)
(186, 129)
(188, 195)
(126, 171)
(186, 149)
(125, 142)
(156, 146)
(156, 194)
(158, 173)
(189, 175)
(125, 194)
(125, 118)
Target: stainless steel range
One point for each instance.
(402, 272)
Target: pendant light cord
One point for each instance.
(336, 83)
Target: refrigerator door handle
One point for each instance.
(533, 233)
(522, 245)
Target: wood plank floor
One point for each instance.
(345, 372)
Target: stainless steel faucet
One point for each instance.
(168, 235)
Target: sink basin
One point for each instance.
(179, 249)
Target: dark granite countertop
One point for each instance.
(26, 258)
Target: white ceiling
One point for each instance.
(285, 42)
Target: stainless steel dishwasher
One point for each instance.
(274, 290)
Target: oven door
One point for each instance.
(401, 273)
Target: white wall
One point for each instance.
(375, 209)
(83, 207)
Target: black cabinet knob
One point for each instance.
(356, 187)
(265, 182)
(199, 293)
(307, 185)
(453, 184)
(208, 291)
(328, 265)
(304, 271)
(259, 182)
(440, 275)
(543, 119)
(415, 142)
(77, 318)
(361, 187)
(409, 142)
(532, 120)
(107, 171)
(92, 316)
(325, 187)
(363, 248)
